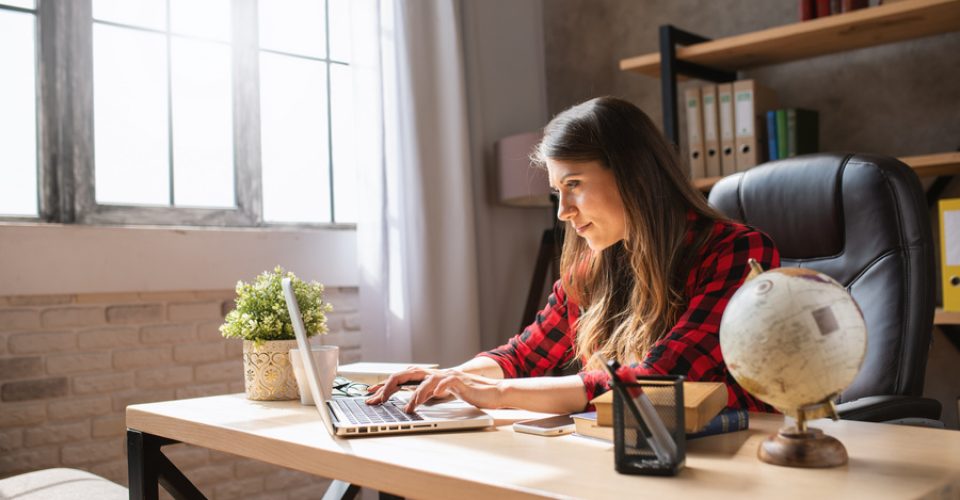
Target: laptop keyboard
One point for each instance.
(358, 412)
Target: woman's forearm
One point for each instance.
(544, 394)
(485, 367)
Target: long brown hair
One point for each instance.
(632, 291)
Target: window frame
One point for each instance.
(65, 123)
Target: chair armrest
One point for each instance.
(884, 408)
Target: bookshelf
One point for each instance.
(683, 55)
(718, 60)
(887, 23)
(934, 165)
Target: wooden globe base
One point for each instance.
(811, 448)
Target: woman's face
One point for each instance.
(589, 200)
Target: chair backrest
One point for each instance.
(863, 220)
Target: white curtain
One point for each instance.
(415, 232)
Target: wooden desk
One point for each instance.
(886, 461)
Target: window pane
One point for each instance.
(340, 30)
(130, 116)
(345, 190)
(293, 117)
(143, 13)
(202, 124)
(26, 4)
(205, 19)
(18, 118)
(294, 26)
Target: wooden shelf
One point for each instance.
(941, 317)
(825, 35)
(925, 166)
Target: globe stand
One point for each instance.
(803, 446)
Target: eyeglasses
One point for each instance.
(345, 388)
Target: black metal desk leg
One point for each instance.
(142, 452)
(148, 468)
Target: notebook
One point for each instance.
(350, 417)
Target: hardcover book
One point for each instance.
(701, 402)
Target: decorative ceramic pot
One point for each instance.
(267, 374)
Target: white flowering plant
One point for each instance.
(261, 313)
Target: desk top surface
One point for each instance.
(886, 461)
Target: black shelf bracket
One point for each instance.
(670, 67)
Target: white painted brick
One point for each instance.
(164, 377)
(124, 399)
(220, 456)
(42, 342)
(61, 364)
(218, 295)
(199, 391)
(28, 460)
(39, 300)
(114, 470)
(135, 314)
(73, 408)
(200, 353)
(106, 298)
(350, 356)
(57, 433)
(23, 390)
(102, 383)
(234, 348)
(167, 334)
(209, 330)
(168, 296)
(237, 387)
(314, 489)
(224, 371)
(239, 488)
(19, 319)
(11, 439)
(211, 473)
(250, 468)
(108, 426)
(351, 323)
(20, 367)
(142, 358)
(108, 338)
(285, 479)
(194, 311)
(3, 343)
(92, 451)
(22, 414)
(60, 317)
(185, 456)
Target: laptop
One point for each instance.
(351, 417)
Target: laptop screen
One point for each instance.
(309, 369)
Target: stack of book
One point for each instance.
(725, 127)
(704, 413)
(792, 132)
(810, 9)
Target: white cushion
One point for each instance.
(60, 483)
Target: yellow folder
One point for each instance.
(950, 253)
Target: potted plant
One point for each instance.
(262, 320)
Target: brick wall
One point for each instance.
(70, 364)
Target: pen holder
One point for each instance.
(634, 441)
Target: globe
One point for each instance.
(793, 338)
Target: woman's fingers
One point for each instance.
(392, 384)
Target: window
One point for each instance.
(18, 120)
(221, 112)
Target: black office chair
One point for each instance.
(863, 220)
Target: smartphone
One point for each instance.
(550, 426)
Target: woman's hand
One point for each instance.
(479, 391)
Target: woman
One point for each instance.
(647, 270)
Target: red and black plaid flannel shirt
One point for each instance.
(691, 348)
